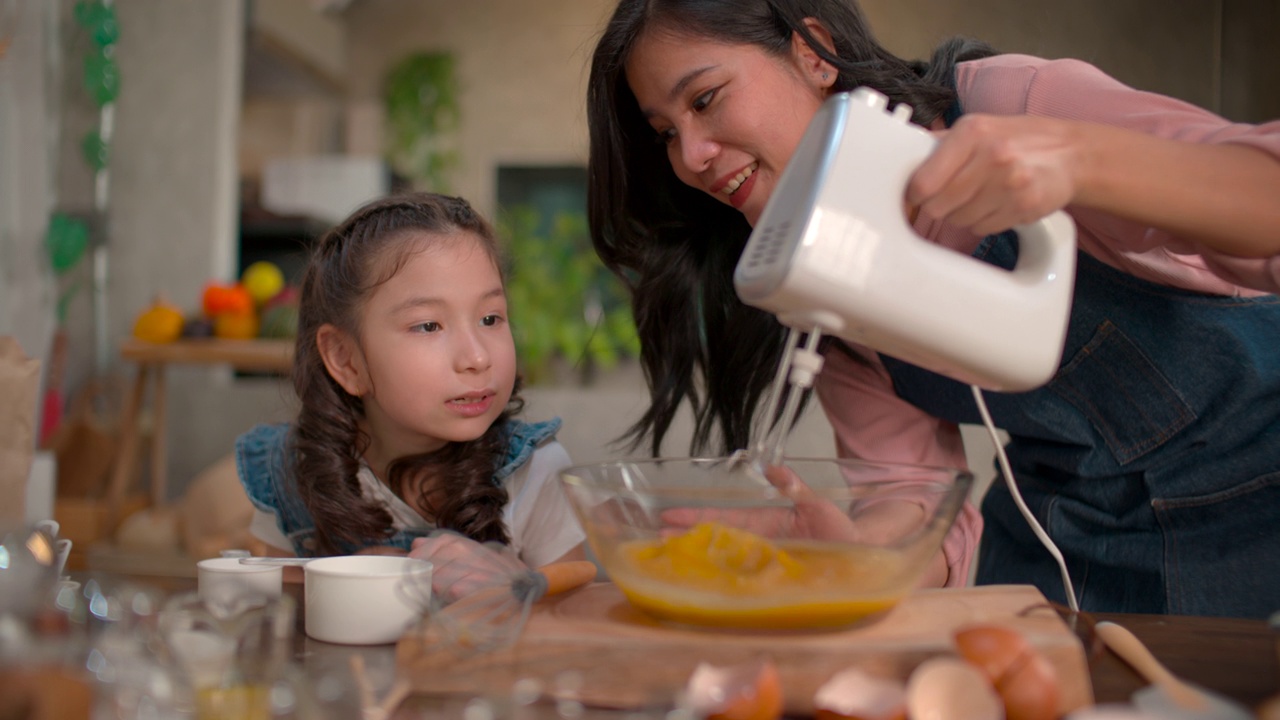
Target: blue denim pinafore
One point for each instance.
(264, 470)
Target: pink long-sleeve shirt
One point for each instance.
(871, 422)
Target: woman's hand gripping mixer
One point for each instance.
(833, 252)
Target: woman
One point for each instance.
(1152, 457)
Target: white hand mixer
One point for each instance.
(833, 253)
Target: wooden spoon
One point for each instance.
(1196, 701)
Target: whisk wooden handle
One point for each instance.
(567, 575)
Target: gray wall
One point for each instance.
(26, 181)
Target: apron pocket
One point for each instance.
(1126, 398)
(1222, 551)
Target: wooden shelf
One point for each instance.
(239, 354)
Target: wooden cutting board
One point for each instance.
(618, 657)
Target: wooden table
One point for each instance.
(1238, 658)
(152, 360)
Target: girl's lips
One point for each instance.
(471, 405)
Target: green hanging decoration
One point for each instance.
(94, 150)
(67, 238)
(105, 30)
(101, 77)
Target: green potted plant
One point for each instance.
(421, 99)
(566, 307)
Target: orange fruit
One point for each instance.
(235, 325)
(160, 323)
(219, 298)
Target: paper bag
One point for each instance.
(19, 388)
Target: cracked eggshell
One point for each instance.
(752, 691)
(854, 695)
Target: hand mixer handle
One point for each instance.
(1046, 247)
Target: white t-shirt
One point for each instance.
(537, 515)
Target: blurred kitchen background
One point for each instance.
(237, 130)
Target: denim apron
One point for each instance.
(263, 467)
(1152, 457)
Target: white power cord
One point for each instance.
(1022, 505)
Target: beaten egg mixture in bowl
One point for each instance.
(714, 543)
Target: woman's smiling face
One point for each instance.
(730, 115)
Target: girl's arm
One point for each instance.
(542, 524)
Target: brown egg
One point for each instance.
(1024, 678)
(1270, 709)
(855, 695)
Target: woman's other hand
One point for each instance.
(810, 516)
(990, 173)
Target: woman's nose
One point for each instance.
(696, 150)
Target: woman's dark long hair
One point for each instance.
(676, 247)
(455, 483)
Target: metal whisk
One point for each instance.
(796, 370)
(482, 597)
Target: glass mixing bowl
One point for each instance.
(713, 543)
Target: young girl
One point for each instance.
(406, 372)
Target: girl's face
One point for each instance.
(731, 115)
(436, 348)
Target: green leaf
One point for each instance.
(65, 241)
